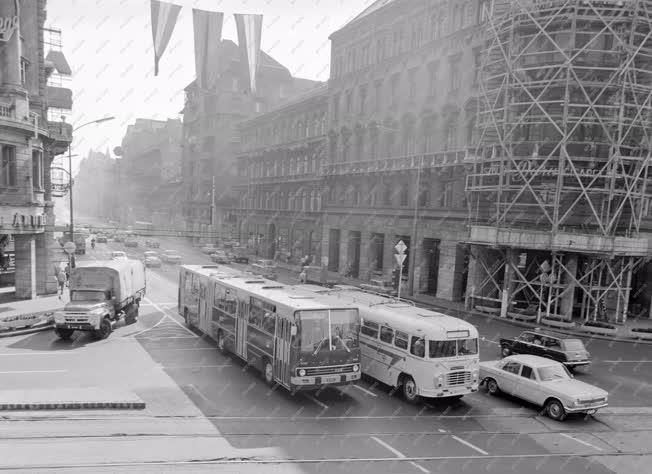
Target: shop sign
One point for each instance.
(8, 24)
(25, 220)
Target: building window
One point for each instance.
(387, 195)
(365, 56)
(379, 95)
(412, 93)
(377, 251)
(446, 198)
(424, 196)
(462, 16)
(38, 181)
(451, 137)
(24, 67)
(477, 59)
(8, 170)
(235, 85)
(363, 98)
(394, 92)
(432, 78)
(485, 11)
(434, 22)
(455, 78)
(336, 106)
(349, 101)
(403, 195)
(380, 50)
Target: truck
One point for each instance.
(102, 293)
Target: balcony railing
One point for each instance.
(404, 163)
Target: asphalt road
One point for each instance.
(209, 412)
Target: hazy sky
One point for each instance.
(108, 44)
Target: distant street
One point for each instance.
(215, 408)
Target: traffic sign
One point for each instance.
(69, 247)
(400, 258)
(400, 247)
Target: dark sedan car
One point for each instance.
(567, 350)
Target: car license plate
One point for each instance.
(75, 326)
(330, 379)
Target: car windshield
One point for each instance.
(342, 326)
(573, 345)
(85, 295)
(553, 372)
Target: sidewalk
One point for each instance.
(24, 316)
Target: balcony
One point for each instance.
(61, 135)
(59, 97)
(404, 163)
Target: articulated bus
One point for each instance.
(422, 352)
(296, 338)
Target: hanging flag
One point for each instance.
(208, 34)
(164, 17)
(249, 28)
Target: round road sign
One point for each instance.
(69, 247)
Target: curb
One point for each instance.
(22, 332)
(72, 406)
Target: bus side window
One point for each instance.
(386, 334)
(370, 329)
(269, 322)
(418, 346)
(401, 340)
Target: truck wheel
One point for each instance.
(104, 330)
(64, 333)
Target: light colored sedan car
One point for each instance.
(119, 254)
(170, 256)
(265, 268)
(544, 382)
(152, 259)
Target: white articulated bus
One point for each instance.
(295, 338)
(422, 352)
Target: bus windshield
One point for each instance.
(453, 348)
(316, 327)
(87, 295)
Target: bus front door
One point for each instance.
(241, 330)
(282, 351)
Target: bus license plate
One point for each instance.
(331, 379)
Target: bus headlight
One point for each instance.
(356, 367)
(302, 372)
(59, 318)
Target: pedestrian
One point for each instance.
(61, 280)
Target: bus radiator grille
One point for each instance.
(329, 370)
(458, 378)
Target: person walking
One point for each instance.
(61, 280)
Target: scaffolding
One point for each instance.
(564, 125)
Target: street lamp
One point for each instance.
(72, 228)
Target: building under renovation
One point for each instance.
(558, 191)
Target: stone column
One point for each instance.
(568, 298)
(446, 275)
(25, 247)
(511, 256)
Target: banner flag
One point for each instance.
(164, 17)
(208, 35)
(249, 28)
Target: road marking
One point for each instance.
(194, 366)
(470, 445)
(182, 348)
(321, 404)
(397, 453)
(166, 316)
(580, 441)
(19, 354)
(34, 371)
(441, 431)
(483, 339)
(624, 361)
(368, 392)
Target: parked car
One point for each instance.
(209, 249)
(153, 244)
(119, 254)
(220, 256)
(170, 256)
(240, 255)
(544, 382)
(131, 243)
(265, 268)
(152, 261)
(118, 238)
(380, 286)
(567, 350)
(101, 239)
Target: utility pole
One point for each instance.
(214, 238)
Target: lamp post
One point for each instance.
(72, 228)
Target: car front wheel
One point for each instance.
(555, 410)
(492, 387)
(410, 389)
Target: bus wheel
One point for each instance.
(268, 372)
(221, 343)
(410, 389)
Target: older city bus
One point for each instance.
(422, 352)
(296, 338)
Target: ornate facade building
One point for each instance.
(482, 135)
(280, 188)
(28, 143)
(211, 139)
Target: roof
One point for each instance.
(374, 7)
(399, 314)
(532, 360)
(59, 62)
